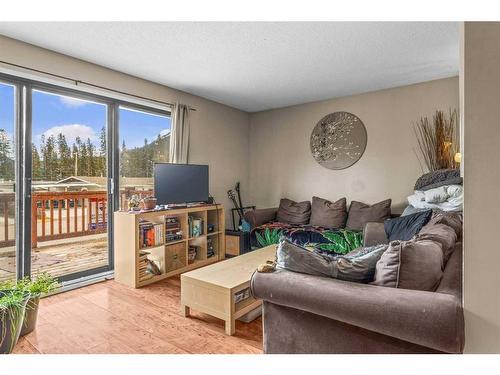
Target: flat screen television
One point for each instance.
(180, 183)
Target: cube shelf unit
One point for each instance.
(170, 256)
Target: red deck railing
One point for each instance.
(7, 205)
(62, 215)
(76, 213)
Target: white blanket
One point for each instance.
(445, 198)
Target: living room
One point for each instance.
(306, 195)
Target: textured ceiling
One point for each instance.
(257, 66)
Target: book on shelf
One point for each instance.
(173, 230)
(150, 234)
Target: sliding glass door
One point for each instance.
(69, 185)
(8, 129)
(68, 160)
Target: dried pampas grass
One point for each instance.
(437, 142)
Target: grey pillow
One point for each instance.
(361, 213)
(357, 266)
(452, 219)
(441, 233)
(293, 212)
(416, 265)
(328, 214)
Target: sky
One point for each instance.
(7, 109)
(53, 114)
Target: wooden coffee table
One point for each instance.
(214, 289)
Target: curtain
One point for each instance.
(179, 135)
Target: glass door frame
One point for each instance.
(23, 125)
(18, 171)
(27, 155)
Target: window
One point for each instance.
(71, 175)
(144, 140)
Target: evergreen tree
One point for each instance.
(124, 160)
(74, 160)
(64, 154)
(91, 160)
(83, 162)
(145, 160)
(36, 163)
(80, 157)
(102, 153)
(6, 157)
(50, 162)
(42, 156)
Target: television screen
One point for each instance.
(180, 183)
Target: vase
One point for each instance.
(11, 320)
(30, 315)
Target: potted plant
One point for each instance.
(12, 308)
(35, 288)
(42, 284)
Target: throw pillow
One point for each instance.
(361, 213)
(441, 233)
(328, 214)
(416, 265)
(291, 212)
(452, 219)
(403, 228)
(357, 266)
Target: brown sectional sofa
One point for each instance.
(311, 314)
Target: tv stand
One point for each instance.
(195, 204)
(141, 238)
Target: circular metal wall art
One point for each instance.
(338, 140)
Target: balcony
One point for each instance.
(69, 234)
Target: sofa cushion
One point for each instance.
(441, 233)
(416, 265)
(293, 212)
(328, 214)
(452, 219)
(357, 266)
(403, 228)
(361, 213)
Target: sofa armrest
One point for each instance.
(260, 216)
(433, 320)
(374, 234)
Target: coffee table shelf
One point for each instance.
(212, 289)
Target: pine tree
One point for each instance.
(145, 160)
(75, 160)
(36, 163)
(91, 161)
(6, 157)
(42, 156)
(102, 153)
(64, 154)
(49, 155)
(83, 161)
(124, 160)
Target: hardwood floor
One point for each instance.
(112, 318)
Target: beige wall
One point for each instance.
(281, 164)
(219, 134)
(481, 94)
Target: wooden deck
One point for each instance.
(60, 257)
(112, 318)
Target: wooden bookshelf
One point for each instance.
(133, 252)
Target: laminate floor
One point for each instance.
(109, 317)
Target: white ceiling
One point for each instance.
(257, 66)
